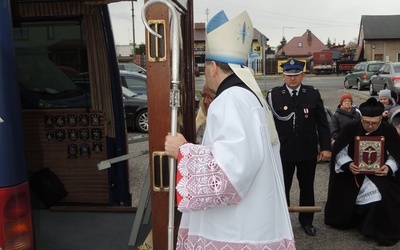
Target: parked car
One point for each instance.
(388, 77)
(134, 81)
(360, 75)
(132, 68)
(135, 106)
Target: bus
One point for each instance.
(53, 132)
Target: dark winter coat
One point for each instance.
(341, 118)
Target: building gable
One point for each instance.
(380, 27)
(303, 46)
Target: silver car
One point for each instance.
(388, 77)
(132, 68)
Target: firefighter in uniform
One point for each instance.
(304, 134)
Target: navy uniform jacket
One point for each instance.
(300, 138)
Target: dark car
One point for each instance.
(135, 82)
(388, 77)
(360, 75)
(131, 67)
(135, 110)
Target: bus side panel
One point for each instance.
(12, 167)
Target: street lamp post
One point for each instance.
(133, 34)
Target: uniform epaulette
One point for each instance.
(310, 87)
(276, 87)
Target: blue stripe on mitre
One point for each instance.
(216, 21)
(225, 59)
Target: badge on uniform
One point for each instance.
(84, 134)
(95, 119)
(72, 120)
(72, 150)
(49, 134)
(84, 150)
(49, 120)
(96, 134)
(84, 120)
(60, 120)
(60, 134)
(97, 147)
(73, 134)
(305, 112)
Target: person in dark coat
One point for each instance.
(344, 114)
(368, 202)
(304, 134)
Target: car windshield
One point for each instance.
(128, 93)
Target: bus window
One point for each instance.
(48, 56)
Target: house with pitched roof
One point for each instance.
(302, 47)
(379, 38)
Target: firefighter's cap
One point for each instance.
(292, 67)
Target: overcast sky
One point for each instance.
(338, 20)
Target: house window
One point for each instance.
(21, 33)
(50, 33)
(299, 44)
(398, 57)
(257, 48)
(378, 57)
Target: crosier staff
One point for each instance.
(174, 102)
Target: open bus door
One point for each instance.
(69, 128)
(16, 229)
(158, 90)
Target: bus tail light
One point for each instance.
(16, 229)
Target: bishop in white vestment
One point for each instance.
(230, 188)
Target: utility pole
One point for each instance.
(207, 13)
(283, 36)
(283, 30)
(133, 33)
